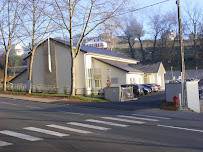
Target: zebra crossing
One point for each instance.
(91, 124)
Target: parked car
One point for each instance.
(175, 81)
(152, 86)
(137, 89)
(159, 87)
(101, 92)
(146, 90)
(200, 83)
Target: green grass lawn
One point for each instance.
(80, 97)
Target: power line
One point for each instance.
(130, 11)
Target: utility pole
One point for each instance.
(182, 56)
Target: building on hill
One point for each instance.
(93, 68)
(19, 49)
(168, 35)
(97, 42)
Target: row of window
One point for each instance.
(97, 83)
(135, 80)
(96, 45)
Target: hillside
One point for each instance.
(167, 52)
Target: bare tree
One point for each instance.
(133, 30)
(8, 24)
(156, 28)
(168, 36)
(34, 29)
(194, 21)
(78, 16)
(139, 33)
(131, 39)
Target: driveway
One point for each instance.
(151, 101)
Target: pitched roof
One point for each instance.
(8, 79)
(89, 49)
(18, 75)
(147, 68)
(120, 65)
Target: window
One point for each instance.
(89, 84)
(114, 80)
(97, 83)
(89, 72)
(89, 78)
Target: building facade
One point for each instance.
(93, 68)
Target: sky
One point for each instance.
(142, 12)
(168, 5)
(162, 8)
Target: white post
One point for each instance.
(172, 72)
(182, 90)
(49, 55)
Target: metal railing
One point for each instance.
(127, 94)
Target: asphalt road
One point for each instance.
(134, 126)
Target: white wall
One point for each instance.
(39, 69)
(80, 64)
(114, 73)
(193, 96)
(63, 59)
(135, 78)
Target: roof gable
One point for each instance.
(120, 65)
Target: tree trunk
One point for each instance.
(6, 70)
(142, 50)
(195, 52)
(131, 49)
(172, 51)
(154, 48)
(30, 73)
(73, 75)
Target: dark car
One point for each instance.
(200, 83)
(146, 90)
(137, 89)
(152, 86)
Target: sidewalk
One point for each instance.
(37, 98)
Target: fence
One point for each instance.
(50, 89)
(117, 94)
(127, 94)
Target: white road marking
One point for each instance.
(88, 126)
(49, 132)
(124, 120)
(107, 123)
(151, 116)
(70, 129)
(72, 113)
(133, 117)
(33, 107)
(9, 103)
(3, 143)
(19, 135)
(180, 128)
